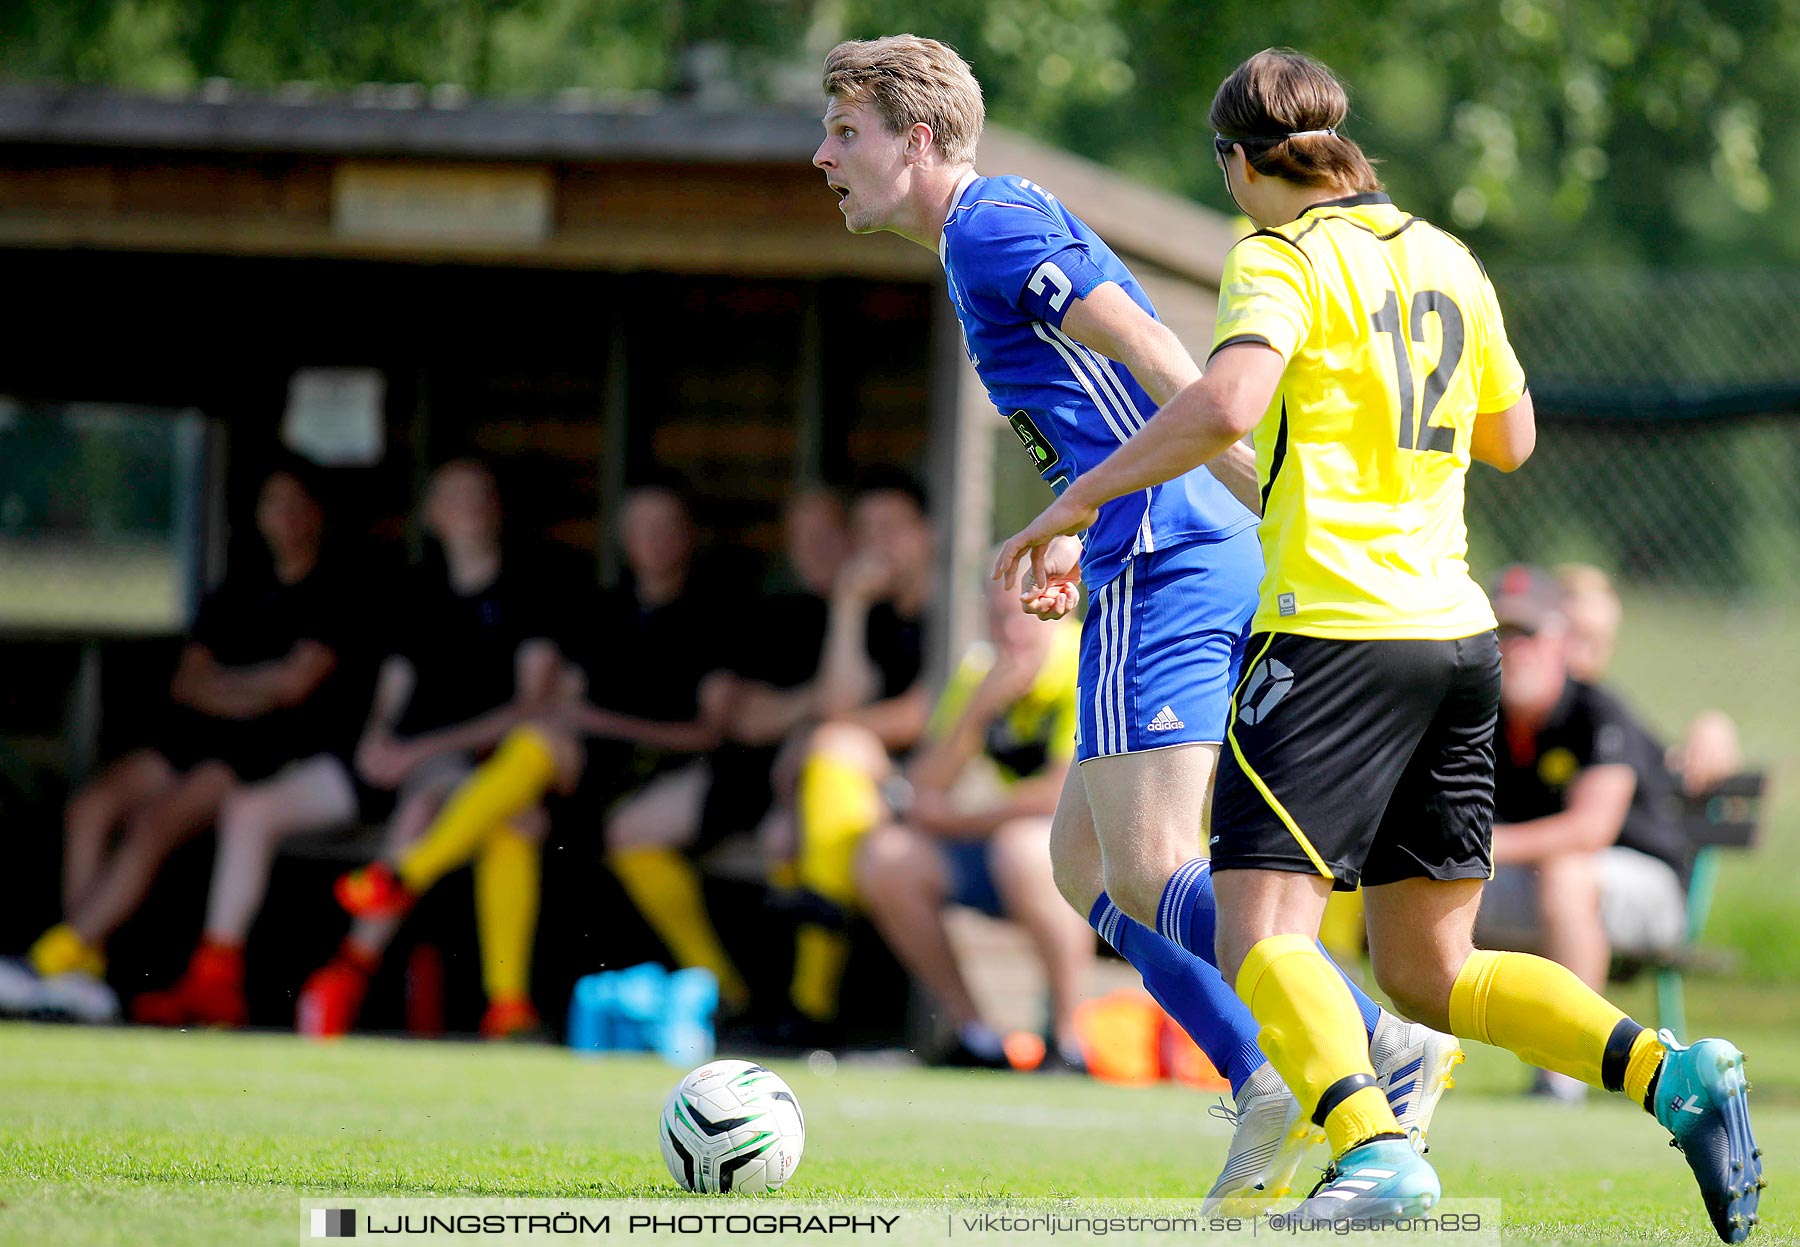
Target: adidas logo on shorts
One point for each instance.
(1165, 721)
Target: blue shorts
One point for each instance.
(1161, 647)
(971, 878)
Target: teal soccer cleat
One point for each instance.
(1701, 1098)
(1384, 1180)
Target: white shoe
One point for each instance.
(1413, 1064)
(80, 998)
(21, 990)
(1271, 1140)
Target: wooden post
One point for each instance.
(615, 445)
(961, 484)
(809, 393)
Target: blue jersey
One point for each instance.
(1016, 260)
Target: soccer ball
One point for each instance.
(732, 1126)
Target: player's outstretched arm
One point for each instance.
(1198, 425)
(1111, 322)
(1236, 470)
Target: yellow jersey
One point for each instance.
(1036, 730)
(1393, 342)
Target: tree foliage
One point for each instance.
(1593, 131)
(1590, 131)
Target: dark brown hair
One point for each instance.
(1279, 92)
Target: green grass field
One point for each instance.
(134, 1136)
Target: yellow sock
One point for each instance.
(1548, 1017)
(1313, 1033)
(514, 779)
(838, 804)
(61, 951)
(1341, 929)
(508, 883)
(665, 887)
(1646, 1058)
(819, 958)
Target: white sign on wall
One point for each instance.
(445, 204)
(335, 415)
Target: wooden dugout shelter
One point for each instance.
(577, 291)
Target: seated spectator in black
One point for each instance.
(1709, 750)
(470, 658)
(260, 682)
(1589, 850)
(642, 701)
(778, 647)
(869, 701)
(775, 650)
(973, 827)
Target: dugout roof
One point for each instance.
(1175, 246)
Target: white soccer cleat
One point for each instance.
(21, 990)
(80, 998)
(1413, 1064)
(1273, 1136)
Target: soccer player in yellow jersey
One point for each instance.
(1365, 349)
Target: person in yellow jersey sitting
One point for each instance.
(1011, 704)
(1366, 350)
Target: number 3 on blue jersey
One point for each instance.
(1047, 272)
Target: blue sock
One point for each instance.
(1188, 989)
(1189, 916)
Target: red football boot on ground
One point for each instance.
(333, 994)
(210, 992)
(513, 1018)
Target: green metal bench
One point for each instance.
(1727, 817)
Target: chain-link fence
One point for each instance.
(1669, 444)
(1710, 507)
(1678, 342)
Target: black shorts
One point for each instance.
(188, 738)
(1367, 761)
(373, 805)
(612, 775)
(741, 794)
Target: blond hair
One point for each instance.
(908, 80)
(1280, 93)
